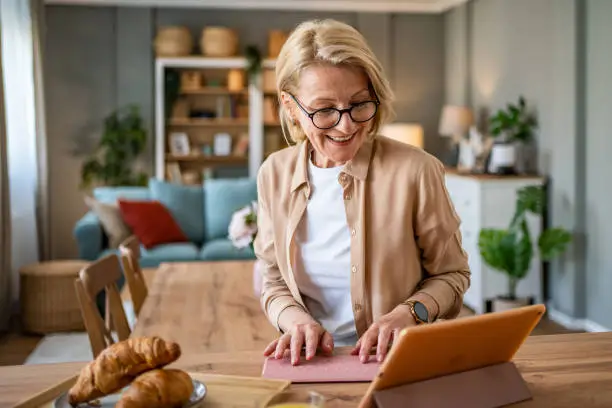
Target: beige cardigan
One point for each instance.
(405, 234)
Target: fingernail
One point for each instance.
(362, 358)
(380, 358)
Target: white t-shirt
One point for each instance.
(324, 240)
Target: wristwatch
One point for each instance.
(418, 310)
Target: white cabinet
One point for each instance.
(487, 201)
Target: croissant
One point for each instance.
(117, 366)
(161, 388)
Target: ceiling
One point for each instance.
(379, 6)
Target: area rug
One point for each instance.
(61, 348)
(69, 347)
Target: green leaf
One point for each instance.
(523, 252)
(492, 250)
(532, 199)
(507, 248)
(251, 219)
(553, 242)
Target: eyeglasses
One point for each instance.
(327, 118)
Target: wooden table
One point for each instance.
(205, 307)
(562, 371)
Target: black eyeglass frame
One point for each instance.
(340, 111)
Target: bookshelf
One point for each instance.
(218, 117)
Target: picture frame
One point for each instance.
(179, 144)
(222, 144)
(173, 172)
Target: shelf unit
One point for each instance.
(255, 124)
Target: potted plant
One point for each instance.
(253, 57)
(513, 129)
(511, 250)
(123, 140)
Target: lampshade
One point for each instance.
(409, 133)
(455, 120)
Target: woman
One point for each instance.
(357, 232)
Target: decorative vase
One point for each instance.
(526, 157)
(173, 41)
(269, 81)
(503, 159)
(258, 277)
(235, 80)
(276, 40)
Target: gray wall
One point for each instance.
(80, 89)
(101, 58)
(537, 49)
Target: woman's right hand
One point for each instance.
(310, 335)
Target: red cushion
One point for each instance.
(151, 222)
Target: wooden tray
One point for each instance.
(222, 391)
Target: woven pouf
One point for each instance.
(48, 298)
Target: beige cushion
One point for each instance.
(112, 222)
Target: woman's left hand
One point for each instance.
(382, 332)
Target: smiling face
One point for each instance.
(327, 86)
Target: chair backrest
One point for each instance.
(93, 279)
(130, 255)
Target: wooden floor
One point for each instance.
(16, 346)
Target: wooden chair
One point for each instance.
(130, 255)
(99, 276)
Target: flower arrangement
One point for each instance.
(243, 226)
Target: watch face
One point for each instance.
(421, 311)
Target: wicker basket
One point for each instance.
(173, 42)
(48, 298)
(191, 80)
(219, 42)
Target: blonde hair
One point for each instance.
(333, 42)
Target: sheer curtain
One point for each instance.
(24, 127)
(5, 225)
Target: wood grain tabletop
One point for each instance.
(211, 311)
(561, 370)
(205, 307)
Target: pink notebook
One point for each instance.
(322, 369)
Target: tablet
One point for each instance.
(452, 346)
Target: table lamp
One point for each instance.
(409, 133)
(455, 121)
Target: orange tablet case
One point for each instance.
(424, 353)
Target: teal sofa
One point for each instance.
(203, 212)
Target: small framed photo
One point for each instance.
(179, 144)
(222, 144)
